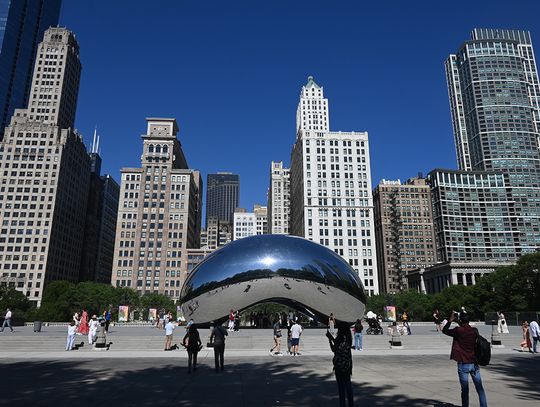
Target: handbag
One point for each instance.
(209, 344)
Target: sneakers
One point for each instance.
(278, 354)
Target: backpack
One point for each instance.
(482, 350)
(342, 358)
(358, 328)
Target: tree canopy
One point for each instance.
(510, 288)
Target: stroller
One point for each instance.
(374, 327)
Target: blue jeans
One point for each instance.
(535, 341)
(7, 322)
(464, 369)
(358, 340)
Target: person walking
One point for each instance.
(107, 316)
(289, 345)
(192, 342)
(358, 328)
(463, 352)
(7, 320)
(296, 331)
(217, 338)
(341, 346)
(405, 320)
(526, 342)
(72, 330)
(277, 338)
(534, 331)
(502, 326)
(332, 324)
(437, 320)
(169, 329)
(92, 329)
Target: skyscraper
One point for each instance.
(331, 198)
(159, 216)
(279, 199)
(222, 196)
(487, 213)
(22, 25)
(100, 227)
(403, 230)
(44, 175)
(495, 102)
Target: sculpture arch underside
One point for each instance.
(273, 268)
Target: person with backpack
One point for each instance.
(464, 352)
(358, 328)
(341, 346)
(217, 339)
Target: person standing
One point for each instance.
(192, 342)
(502, 326)
(231, 321)
(169, 329)
(72, 330)
(463, 352)
(534, 331)
(77, 320)
(217, 338)
(7, 320)
(526, 342)
(437, 320)
(296, 331)
(332, 324)
(237, 321)
(405, 320)
(83, 325)
(92, 329)
(341, 346)
(358, 328)
(277, 338)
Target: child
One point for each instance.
(72, 329)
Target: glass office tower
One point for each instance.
(222, 196)
(22, 24)
(495, 98)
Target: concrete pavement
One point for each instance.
(35, 370)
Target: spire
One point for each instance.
(93, 149)
(311, 82)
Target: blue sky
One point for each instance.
(231, 72)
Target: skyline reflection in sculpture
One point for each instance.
(273, 268)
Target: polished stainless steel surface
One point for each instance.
(278, 268)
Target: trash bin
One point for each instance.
(37, 326)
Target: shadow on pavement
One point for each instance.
(131, 382)
(520, 373)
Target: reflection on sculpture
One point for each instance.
(278, 268)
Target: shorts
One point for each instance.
(168, 336)
(295, 341)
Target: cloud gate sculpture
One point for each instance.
(273, 268)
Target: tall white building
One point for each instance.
(250, 223)
(331, 198)
(279, 199)
(44, 175)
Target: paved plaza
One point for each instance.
(137, 372)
